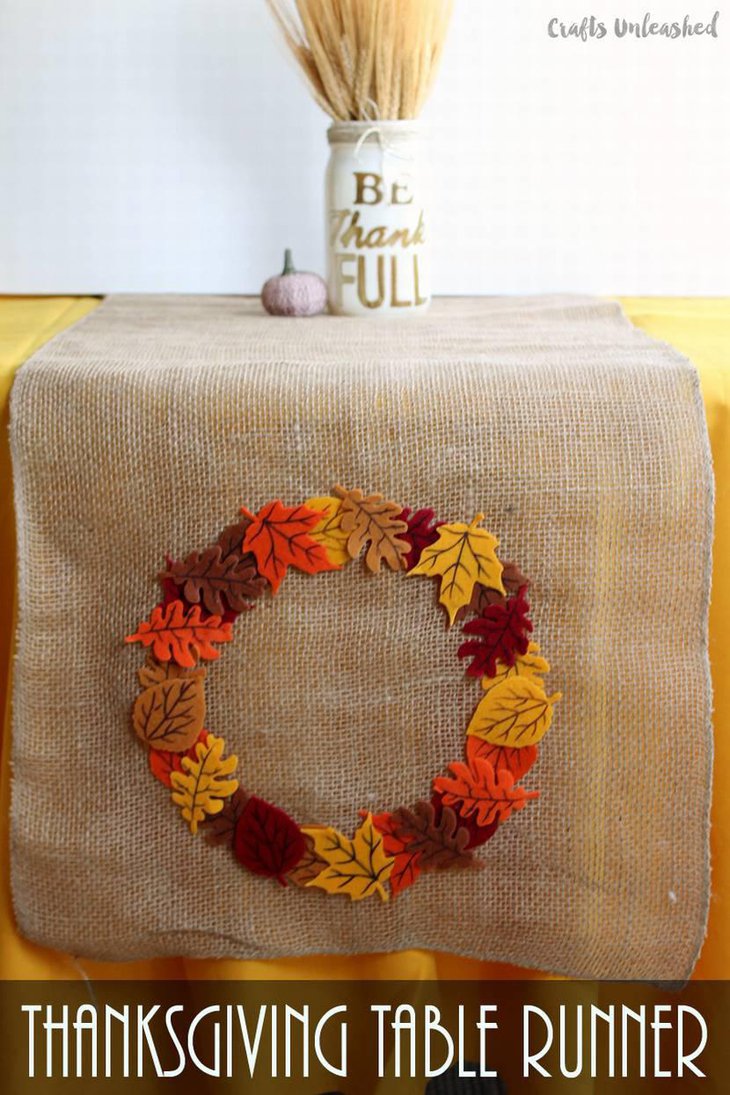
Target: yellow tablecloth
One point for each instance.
(698, 328)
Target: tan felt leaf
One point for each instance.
(358, 868)
(461, 556)
(170, 715)
(530, 665)
(309, 866)
(154, 672)
(203, 786)
(221, 828)
(515, 712)
(373, 520)
(329, 531)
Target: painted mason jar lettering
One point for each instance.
(377, 219)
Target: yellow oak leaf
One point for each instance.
(202, 787)
(328, 531)
(515, 713)
(462, 556)
(531, 665)
(357, 867)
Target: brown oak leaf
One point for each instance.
(483, 597)
(513, 579)
(441, 843)
(373, 520)
(231, 539)
(218, 581)
(221, 828)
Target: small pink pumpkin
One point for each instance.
(292, 293)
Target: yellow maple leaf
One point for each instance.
(531, 665)
(328, 530)
(357, 867)
(516, 712)
(462, 556)
(202, 787)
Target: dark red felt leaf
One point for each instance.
(422, 532)
(267, 840)
(502, 633)
(163, 763)
(478, 834)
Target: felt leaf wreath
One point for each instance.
(206, 591)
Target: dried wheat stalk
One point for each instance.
(366, 59)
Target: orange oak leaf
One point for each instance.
(278, 536)
(179, 634)
(440, 841)
(515, 761)
(476, 789)
(163, 764)
(220, 582)
(371, 519)
(170, 715)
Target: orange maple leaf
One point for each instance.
(179, 634)
(478, 789)
(279, 538)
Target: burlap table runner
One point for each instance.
(143, 429)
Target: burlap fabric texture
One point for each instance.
(143, 430)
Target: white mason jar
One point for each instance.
(377, 217)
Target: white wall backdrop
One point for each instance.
(170, 145)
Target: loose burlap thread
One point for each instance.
(142, 430)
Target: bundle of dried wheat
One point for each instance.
(366, 59)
